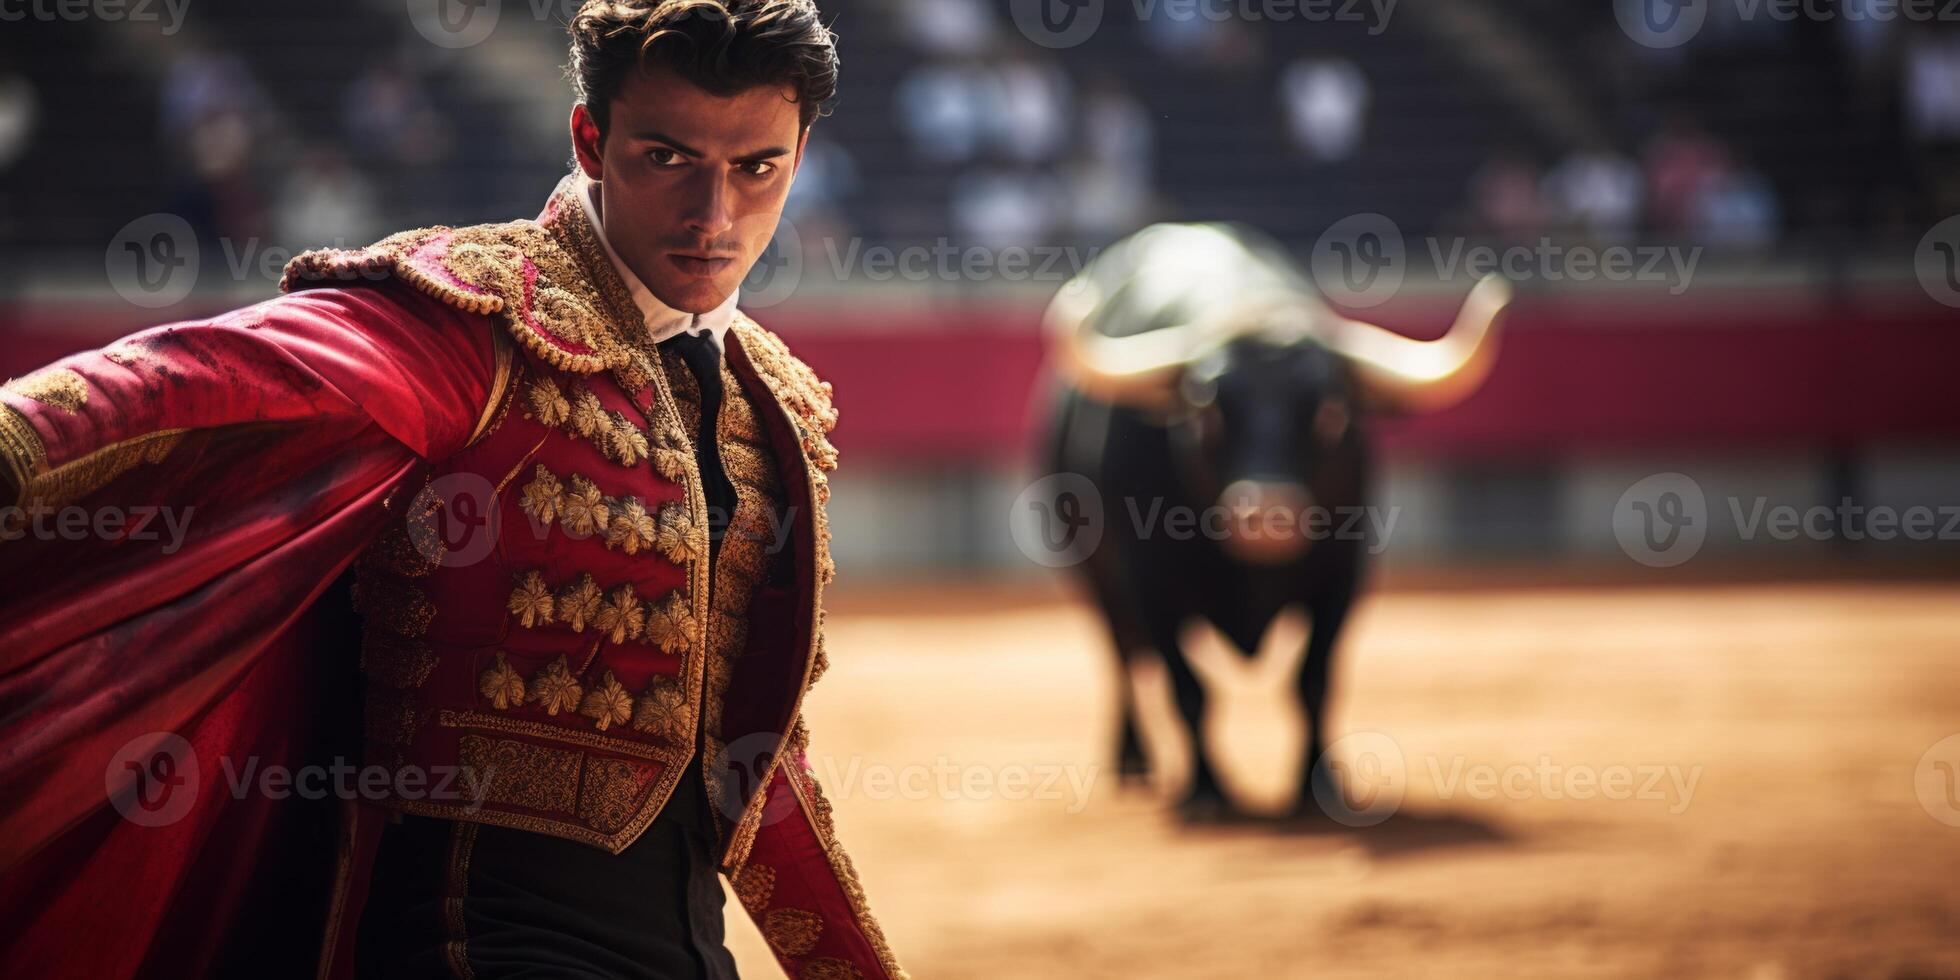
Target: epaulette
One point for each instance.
(515, 272)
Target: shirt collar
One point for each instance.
(662, 321)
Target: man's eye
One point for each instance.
(759, 168)
(663, 157)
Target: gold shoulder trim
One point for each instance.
(515, 272)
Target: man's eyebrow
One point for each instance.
(653, 136)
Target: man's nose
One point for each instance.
(709, 213)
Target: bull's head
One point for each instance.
(1210, 328)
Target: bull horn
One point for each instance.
(1140, 369)
(1426, 375)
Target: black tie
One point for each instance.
(704, 359)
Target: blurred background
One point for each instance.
(1734, 227)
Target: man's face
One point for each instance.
(691, 184)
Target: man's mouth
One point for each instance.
(700, 265)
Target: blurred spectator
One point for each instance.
(1033, 124)
(1682, 162)
(948, 28)
(947, 109)
(324, 202)
(202, 85)
(19, 110)
(1595, 193)
(1736, 208)
(1326, 102)
(825, 181)
(1932, 87)
(1504, 199)
(999, 208)
(389, 117)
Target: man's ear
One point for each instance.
(586, 141)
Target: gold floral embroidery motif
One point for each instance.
(671, 454)
(543, 498)
(622, 616)
(555, 689)
(671, 627)
(753, 886)
(793, 932)
(610, 791)
(677, 535)
(548, 404)
(584, 510)
(632, 528)
(608, 704)
(625, 444)
(531, 602)
(588, 417)
(502, 685)
(579, 603)
(662, 710)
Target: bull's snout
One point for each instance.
(1266, 520)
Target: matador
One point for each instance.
(580, 499)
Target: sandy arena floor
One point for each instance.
(1714, 781)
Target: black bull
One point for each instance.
(1210, 409)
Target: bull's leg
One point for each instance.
(1329, 613)
(1205, 798)
(1132, 766)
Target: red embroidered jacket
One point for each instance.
(477, 418)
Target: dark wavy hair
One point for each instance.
(723, 46)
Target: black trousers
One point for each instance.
(451, 898)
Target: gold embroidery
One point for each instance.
(793, 932)
(677, 536)
(555, 688)
(584, 510)
(671, 627)
(588, 417)
(503, 389)
(831, 968)
(21, 449)
(546, 730)
(543, 498)
(397, 661)
(76, 478)
(521, 774)
(61, 388)
(804, 785)
(502, 684)
(608, 704)
(753, 886)
(531, 601)
(625, 443)
(388, 718)
(579, 603)
(548, 404)
(609, 792)
(631, 529)
(662, 710)
(671, 454)
(622, 616)
(395, 606)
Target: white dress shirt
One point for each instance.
(662, 321)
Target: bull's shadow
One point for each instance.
(1406, 833)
